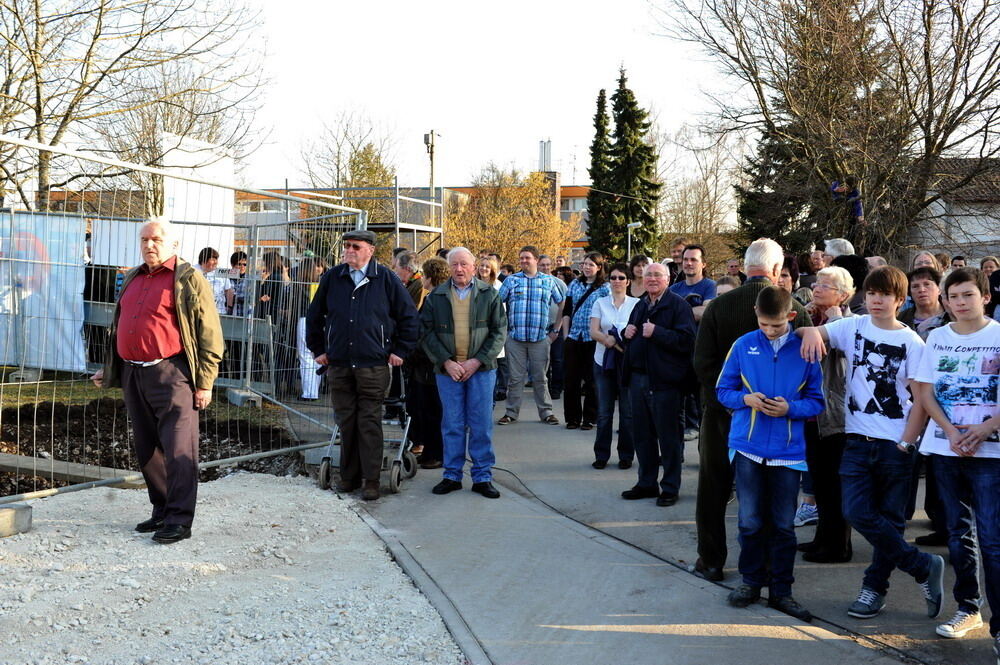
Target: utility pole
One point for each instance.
(429, 142)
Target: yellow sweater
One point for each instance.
(460, 314)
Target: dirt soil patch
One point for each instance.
(98, 433)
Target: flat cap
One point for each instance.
(361, 234)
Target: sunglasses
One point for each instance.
(618, 278)
(353, 245)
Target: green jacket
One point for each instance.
(489, 325)
(198, 319)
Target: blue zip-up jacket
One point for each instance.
(359, 326)
(752, 367)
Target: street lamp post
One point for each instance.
(629, 227)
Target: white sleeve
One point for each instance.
(914, 356)
(841, 332)
(928, 359)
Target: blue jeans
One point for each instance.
(964, 483)
(875, 476)
(768, 498)
(657, 434)
(467, 416)
(608, 392)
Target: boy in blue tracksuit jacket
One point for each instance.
(771, 391)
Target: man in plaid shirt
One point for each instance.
(527, 295)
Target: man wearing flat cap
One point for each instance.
(361, 321)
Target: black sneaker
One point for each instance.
(599, 463)
(791, 607)
(666, 500)
(743, 595)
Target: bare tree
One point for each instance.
(110, 70)
(335, 159)
(883, 89)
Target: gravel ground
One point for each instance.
(277, 571)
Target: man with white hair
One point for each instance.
(726, 318)
(835, 247)
(463, 327)
(166, 346)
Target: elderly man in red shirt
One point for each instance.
(166, 345)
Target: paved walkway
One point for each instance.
(534, 586)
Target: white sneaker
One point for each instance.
(690, 434)
(960, 624)
(806, 514)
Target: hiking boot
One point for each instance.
(806, 514)
(933, 587)
(370, 491)
(791, 607)
(867, 605)
(960, 624)
(743, 595)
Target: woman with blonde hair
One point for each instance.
(825, 437)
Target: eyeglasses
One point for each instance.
(242, 263)
(618, 278)
(819, 286)
(353, 245)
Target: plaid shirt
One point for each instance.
(527, 300)
(579, 324)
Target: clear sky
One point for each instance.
(493, 79)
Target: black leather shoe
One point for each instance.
(150, 525)
(665, 499)
(826, 556)
(599, 463)
(791, 607)
(172, 533)
(640, 493)
(486, 489)
(743, 595)
(811, 546)
(447, 485)
(708, 572)
(345, 487)
(624, 464)
(932, 539)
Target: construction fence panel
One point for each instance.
(64, 253)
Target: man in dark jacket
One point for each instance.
(360, 321)
(463, 325)
(726, 318)
(659, 339)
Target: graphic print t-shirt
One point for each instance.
(965, 373)
(880, 364)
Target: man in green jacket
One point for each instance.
(463, 326)
(165, 350)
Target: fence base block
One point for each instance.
(238, 397)
(15, 518)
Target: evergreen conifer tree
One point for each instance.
(600, 205)
(632, 178)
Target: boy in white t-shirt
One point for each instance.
(883, 356)
(958, 380)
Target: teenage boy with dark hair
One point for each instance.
(767, 446)
(958, 379)
(876, 470)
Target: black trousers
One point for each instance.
(715, 482)
(160, 403)
(823, 456)
(578, 385)
(423, 403)
(357, 394)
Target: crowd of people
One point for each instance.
(830, 376)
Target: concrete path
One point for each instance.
(553, 464)
(548, 573)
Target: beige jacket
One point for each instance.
(198, 319)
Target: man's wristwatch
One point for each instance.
(908, 447)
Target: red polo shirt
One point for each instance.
(147, 322)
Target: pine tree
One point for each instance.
(632, 177)
(600, 205)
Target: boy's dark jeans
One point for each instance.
(875, 476)
(974, 482)
(768, 497)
